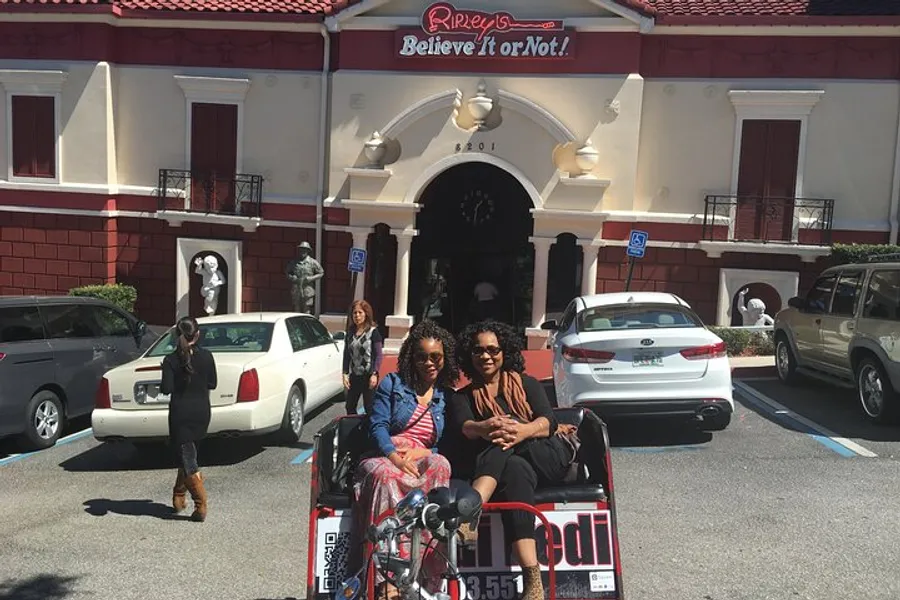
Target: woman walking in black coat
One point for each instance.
(188, 374)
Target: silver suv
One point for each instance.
(846, 331)
(53, 353)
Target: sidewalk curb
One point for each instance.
(753, 367)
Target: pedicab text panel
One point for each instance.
(582, 554)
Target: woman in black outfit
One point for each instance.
(515, 448)
(362, 357)
(188, 374)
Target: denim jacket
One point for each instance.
(393, 405)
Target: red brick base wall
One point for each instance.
(49, 255)
(691, 274)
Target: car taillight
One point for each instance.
(582, 355)
(248, 387)
(2, 355)
(706, 352)
(102, 399)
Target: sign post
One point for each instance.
(637, 246)
(356, 264)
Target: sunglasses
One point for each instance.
(435, 357)
(491, 350)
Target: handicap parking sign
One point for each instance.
(637, 243)
(357, 262)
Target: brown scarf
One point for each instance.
(512, 390)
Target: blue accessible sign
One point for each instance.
(357, 262)
(637, 243)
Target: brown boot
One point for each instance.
(533, 585)
(198, 495)
(179, 501)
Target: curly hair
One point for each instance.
(507, 337)
(424, 330)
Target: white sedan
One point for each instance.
(640, 354)
(272, 368)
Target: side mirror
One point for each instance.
(550, 325)
(338, 336)
(797, 302)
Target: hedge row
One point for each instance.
(843, 254)
(123, 296)
(746, 342)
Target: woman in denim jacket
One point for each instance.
(406, 422)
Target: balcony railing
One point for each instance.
(768, 220)
(209, 192)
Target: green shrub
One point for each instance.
(843, 254)
(746, 342)
(123, 296)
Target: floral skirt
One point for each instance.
(378, 485)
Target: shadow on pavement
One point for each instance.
(10, 446)
(835, 409)
(651, 431)
(100, 507)
(39, 587)
(125, 456)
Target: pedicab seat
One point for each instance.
(341, 443)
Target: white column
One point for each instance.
(360, 239)
(401, 283)
(539, 288)
(590, 252)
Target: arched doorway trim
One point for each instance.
(538, 114)
(422, 108)
(422, 181)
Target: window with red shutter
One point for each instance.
(34, 136)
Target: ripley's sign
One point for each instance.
(450, 32)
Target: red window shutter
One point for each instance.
(34, 136)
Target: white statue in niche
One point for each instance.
(753, 312)
(213, 279)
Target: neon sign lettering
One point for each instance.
(446, 18)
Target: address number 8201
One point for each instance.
(480, 146)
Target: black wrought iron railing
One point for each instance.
(211, 193)
(768, 220)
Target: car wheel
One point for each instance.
(785, 361)
(720, 422)
(45, 421)
(875, 392)
(294, 417)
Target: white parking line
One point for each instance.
(783, 411)
(60, 442)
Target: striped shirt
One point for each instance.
(423, 431)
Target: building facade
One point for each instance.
(516, 146)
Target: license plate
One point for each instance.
(150, 394)
(648, 359)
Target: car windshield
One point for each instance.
(636, 316)
(220, 338)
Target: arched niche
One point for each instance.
(188, 283)
(731, 281)
(758, 290)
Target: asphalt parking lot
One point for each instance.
(795, 500)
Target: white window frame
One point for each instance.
(212, 90)
(20, 82)
(771, 105)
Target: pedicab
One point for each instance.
(575, 528)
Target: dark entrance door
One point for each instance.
(472, 257)
(213, 157)
(767, 180)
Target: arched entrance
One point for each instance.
(472, 257)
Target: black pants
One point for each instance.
(519, 471)
(188, 456)
(359, 386)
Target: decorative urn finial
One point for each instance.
(480, 105)
(375, 149)
(587, 158)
